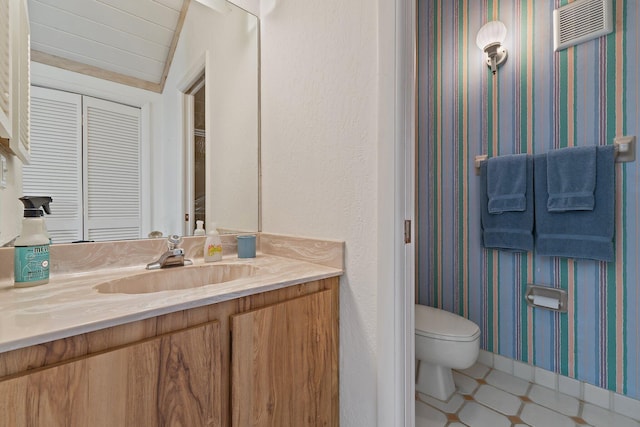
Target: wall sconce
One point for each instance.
(490, 39)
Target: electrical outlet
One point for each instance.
(3, 171)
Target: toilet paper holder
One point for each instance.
(553, 299)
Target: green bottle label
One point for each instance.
(31, 263)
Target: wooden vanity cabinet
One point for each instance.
(269, 359)
(283, 364)
(173, 379)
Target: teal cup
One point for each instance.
(247, 246)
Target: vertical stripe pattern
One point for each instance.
(539, 100)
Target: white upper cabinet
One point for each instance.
(5, 68)
(14, 77)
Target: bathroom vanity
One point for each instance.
(257, 350)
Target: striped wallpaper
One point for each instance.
(539, 100)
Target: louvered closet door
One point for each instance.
(111, 170)
(5, 68)
(56, 156)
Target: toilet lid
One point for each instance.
(440, 324)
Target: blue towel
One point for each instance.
(511, 231)
(507, 183)
(578, 234)
(571, 179)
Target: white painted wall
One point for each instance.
(251, 6)
(324, 76)
(232, 126)
(11, 208)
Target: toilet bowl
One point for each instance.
(444, 341)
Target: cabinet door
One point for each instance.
(14, 77)
(284, 364)
(6, 87)
(171, 380)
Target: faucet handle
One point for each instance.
(174, 241)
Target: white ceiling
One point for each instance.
(130, 38)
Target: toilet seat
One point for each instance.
(439, 324)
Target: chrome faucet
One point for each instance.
(172, 257)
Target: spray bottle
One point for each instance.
(31, 259)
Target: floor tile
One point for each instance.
(476, 415)
(508, 383)
(489, 397)
(450, 407)
(601, 417)
(537, 416)
(553, 400)
(426, 416)
(498, 400)
(476, 371)
(464, 384)
(580, 421)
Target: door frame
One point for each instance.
(406, 119)
(186, 106)
(396, 279)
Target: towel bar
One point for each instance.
(625, 147)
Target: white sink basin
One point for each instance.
(176, 278)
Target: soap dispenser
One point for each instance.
(212, 245)
(199, 231)
(31, 254)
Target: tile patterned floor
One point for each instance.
(490, 398)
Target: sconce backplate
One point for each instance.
(501, 56)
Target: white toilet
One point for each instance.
(444, 341)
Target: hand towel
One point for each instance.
(571, 179)
(507, 183)
(511, 231)
(578, 234)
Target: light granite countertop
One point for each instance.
(70, 304)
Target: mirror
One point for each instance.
(221, 44)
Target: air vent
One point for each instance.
(580, 21)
